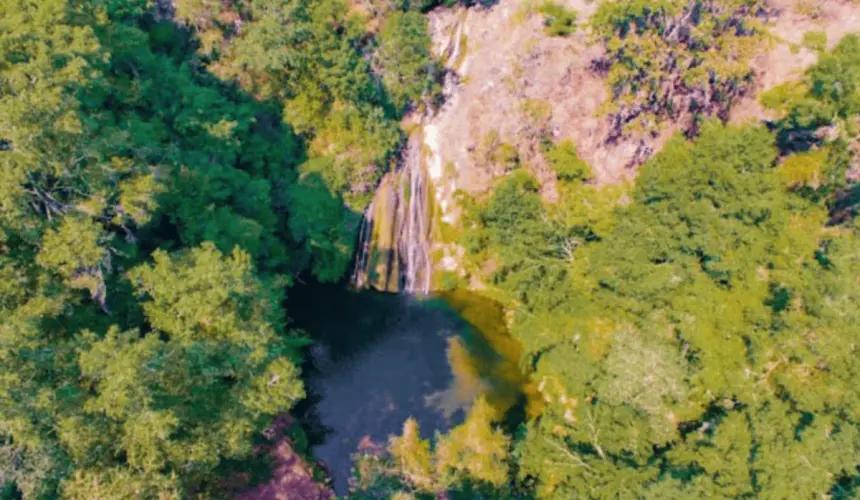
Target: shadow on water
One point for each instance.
(378, 359)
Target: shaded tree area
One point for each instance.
(341, 87)
(161, 182)
(144, 242)
(819, 117)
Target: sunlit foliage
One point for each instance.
(160, 185)
(688, 330)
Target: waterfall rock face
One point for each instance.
(394, 238)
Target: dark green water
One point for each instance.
(379, 359)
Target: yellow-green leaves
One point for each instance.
(193, 389)
(804, 169)
(44, 54)
(204, 295)
(404, 58)
(473, 453)
(121, 366)
(647, 374)
(119, 483)
(76, 245)
(78, 251)
(699, 345)
(277, 388)
(413, 458)
(475, 449)
(567, 164)
(559, 20)
(137, 197)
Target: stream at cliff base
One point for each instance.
(378, 359)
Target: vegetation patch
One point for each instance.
(496, 155)
(669, 58)
(565, 161)
(815, 40)
(558, 19)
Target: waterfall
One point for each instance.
(394, 238)
(394, 241)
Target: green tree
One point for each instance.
(114, 146)
(469, 461)
(413, 459)
(558, 19)
(404, 59)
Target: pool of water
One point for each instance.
(378, 359)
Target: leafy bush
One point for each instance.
(558, 19)
(828, 93)
(496, 155)
(567, 164)
(815, 40)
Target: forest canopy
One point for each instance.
(691, 336)
(162, 182)
(170, 172)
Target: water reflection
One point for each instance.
(484, 358)
(379, 359)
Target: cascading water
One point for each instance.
(394, 240)
(394, 236)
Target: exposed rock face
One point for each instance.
(506, 66)
(394, 238)
(786, 59)
(504, 63)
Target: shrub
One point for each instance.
(558, 19)
(815, 40)
(567, 164)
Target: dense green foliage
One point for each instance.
(160, 185)
(566, 163)
(828, 93)
(122, 378)
(694, 343)
(164, 181)
(692, 336)
(668, 58)
(470, 461)
(404, 58)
